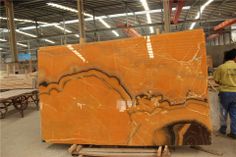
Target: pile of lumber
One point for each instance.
(16, 81)
(212, 85)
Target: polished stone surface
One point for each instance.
(139, 92)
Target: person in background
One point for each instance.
(225, 76)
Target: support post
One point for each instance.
(166, 7)
(30, 60)
(64, 27)
(38, 32)
(94, 23)
(81, 21)
(11, 28)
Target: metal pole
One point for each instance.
(81, 20)
(11, 28)
(38, 33)
(30, 60)
(94, 23)
(166, 7)
(64, 27)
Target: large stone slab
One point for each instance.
(142, 91)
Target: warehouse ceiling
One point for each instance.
(55, 22)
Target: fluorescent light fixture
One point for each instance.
(61, 28)
(148, 16)
(108, 26)
(199, 13)
(3, 40)
(44, 24)
(192, 25)
(119, 15)
(48, 25)
(3, 18)
(89, 15)
(77, 35)
(233, 26)
(86, 14)
(23, 45)
(0, 48)
(151, 29)
(55, 25)
(27, 28)
(71, 21)
(22, 20)
(62, 7)
(116, 34)
(145, 5)
(27, 34)
(49, 41)
(109, 16)
(104, 23)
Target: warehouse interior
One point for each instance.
(32, 32)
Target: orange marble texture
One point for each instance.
(142, 91)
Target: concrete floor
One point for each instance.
(20, 137)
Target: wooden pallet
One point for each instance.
(78, 150)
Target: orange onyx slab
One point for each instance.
(142, 91)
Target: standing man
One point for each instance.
(225, 76)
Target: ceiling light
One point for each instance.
(28, 28)
(44, 24)
(192, 25)
(23, 45)
(62, 7)
(61, 28)
(0, 48)
(3, 18)
(71, 21)
(146, 8)
(86, 14)
(145, 5)
(117, 15)
(89, 15)
(3, 40)
(149, 18)
(77, 35)
(116, 34)
(22, 20)
(151, 30)
(104, 23)
(199, 13)
(27, 34)
(48, 25)
(108, 26)
(49, 41)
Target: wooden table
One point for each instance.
(19, 98)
